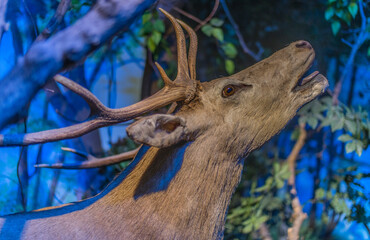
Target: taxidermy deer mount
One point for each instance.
(181, 181)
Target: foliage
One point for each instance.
(261, 204)
(340, 11)
(227, 49)
(354, 125)
(153, 29)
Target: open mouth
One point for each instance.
(309, 81)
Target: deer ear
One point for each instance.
(159, 130)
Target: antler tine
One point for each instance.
(167, 81)
(93, 102)
(192, 55)
(182, 63)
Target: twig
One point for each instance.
(347, 43)
(29, 14)
(210, 16)
(367, 228)
(255, 56)
(298, 215)
(194, 18)
(91, 161)
(55, 20)
(3, 24)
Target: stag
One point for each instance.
(181, 181)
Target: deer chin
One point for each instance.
(311, 86)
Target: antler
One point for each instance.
(183, 88)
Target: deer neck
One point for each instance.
(182, 187)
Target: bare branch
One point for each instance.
(65, 49)
(188, 15)
(210, 16)
(194, 18)
(298, 215)
(3, 24)
(255, 56)
(360, 39)
(55, 20)
(92, 162)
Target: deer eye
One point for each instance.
(228, 90)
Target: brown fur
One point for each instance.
(182, 191)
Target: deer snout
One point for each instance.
(303, 44)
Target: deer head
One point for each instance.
(249, 107)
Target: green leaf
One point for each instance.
(319, 193)
(359, 149)
(156, 37)
(340, 205)
(229, 50)
(216, 22)
(151, 45)
(326, 122)
(347, 18)
(312, 122)
(368, 51)
(146, 29)
(337, 124)
(207, 30)
(146, 17)
(279, 183)
(260, 220)
(295, 134)
(329, 13)
(345, 138)
(335, 26)
(350, 147)
(229, 66)
(248, 228)
(353, 9)
(159, 26)
(351, 125)
(218, 34)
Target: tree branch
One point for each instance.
(63, 50)
(91, 161)
(360, 39)
(298, 215)
(3, 24)
(255, 56)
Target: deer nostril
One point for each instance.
(303, 44)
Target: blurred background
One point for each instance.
(333, 166)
